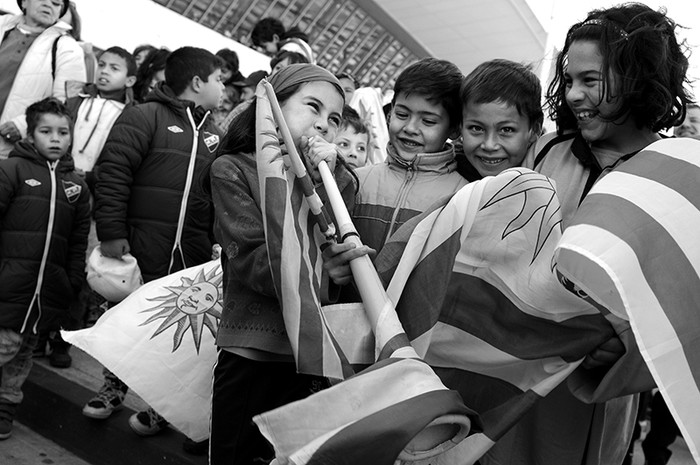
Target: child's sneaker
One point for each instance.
(147, 422)
(7, 415)
(104, 403)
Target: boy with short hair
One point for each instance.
(352, 138)
(501, 117)
(44, 222)
(97, 106)
(148, 198)
(421, 166)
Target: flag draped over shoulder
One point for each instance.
(633, 249)
(473, 287)
(160, 341)
(293, 239)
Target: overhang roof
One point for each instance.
(466, 32)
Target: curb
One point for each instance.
(52, 407)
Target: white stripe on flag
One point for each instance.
(655, 335)
(681, 148)
(655, 199)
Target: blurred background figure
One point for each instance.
(141, 52)
(285, 58)
(150, 73)
(38, 56)
(269, 36)
(691, 124)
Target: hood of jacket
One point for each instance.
(25, 149)
(164, 94)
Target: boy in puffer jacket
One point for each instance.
(44, 222)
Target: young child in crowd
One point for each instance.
(97, 107)
(255, 370)
(619, 80)
(270, 37)
(349, 84)
(285, 58)
(230, 99)
(44, 222)
(421, 167)
(147, 200)
(501, 117)
(149, 73)
(690, 127)
(353, 138)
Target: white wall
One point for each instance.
(129, 23)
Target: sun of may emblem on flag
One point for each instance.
(194, 304)
(530, 210)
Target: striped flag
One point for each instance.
(634, 249)
(475, 291)
(293, 240)
(160, 341)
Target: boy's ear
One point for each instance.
(196, 84)
(275, 38)
(535, 132)
(130, 81)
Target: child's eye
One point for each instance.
(401, 115)
(335, 120)
(342, 144)
(429, 122)
(362, 149)
(474, 128)
(508, 130)
(313, 105)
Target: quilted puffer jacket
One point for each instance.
(44, 223)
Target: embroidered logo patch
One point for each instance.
(72, 190)
(175, 129)
(32, 182)
(212, 141)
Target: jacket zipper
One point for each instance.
(177, 247)
(403, 193)
(36, 298)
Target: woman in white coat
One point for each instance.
(38, 57)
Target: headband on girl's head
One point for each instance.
(300, 73)
(602, 23)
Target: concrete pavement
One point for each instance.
(51, 429)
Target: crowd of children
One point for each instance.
(117, 163)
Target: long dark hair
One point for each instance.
(649, 65)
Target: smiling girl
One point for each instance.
(255, 370)
(619, 80)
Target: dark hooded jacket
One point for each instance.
(148, 192)
(44, 223)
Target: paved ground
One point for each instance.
(51, 430)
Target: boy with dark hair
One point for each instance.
(501, 117)
(148, 200)
(44, 222)
(266, 34)
(421, 166)
(97, 106)
(352, 138)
